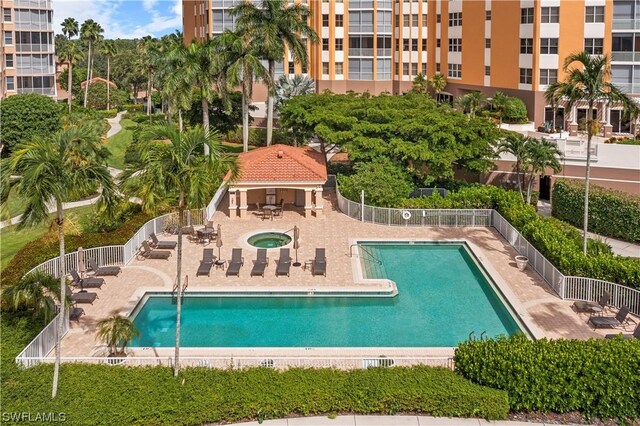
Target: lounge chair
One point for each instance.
(611, 322)
(75, 314)
(206, 263)
(260, 263)
(90, 282)
(284, 262)
(82, 297)
(319, 266)
(634, 335)
(591, 307)
(103, 270)
(235, 263)
(149, 253)
(162, 244)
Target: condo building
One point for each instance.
(514, 46)
(27, 64)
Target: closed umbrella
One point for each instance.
(81, 268)
(296, 243)
(219, 240)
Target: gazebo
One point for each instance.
(276, 174)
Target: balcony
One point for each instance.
(360, 51)
(47, 91)
(625, 56)
(32, 4)
(36, 48)
(626, 24)
(629, 87)
(33, 26)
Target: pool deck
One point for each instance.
(545, 314)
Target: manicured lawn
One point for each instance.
(15, 205)
(235, 148)
(118, 143)
(14, 239)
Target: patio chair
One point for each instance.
(161, 244)
(189, 231)
(236, 262)
(319, 266)
(206, 263)
(149, 253)
(90, 282)
(284, 263)
(634, 335)
(611, 322)
(103, 271)
(81, 297)
(260, 263)
(592, 307)
(209, 225)
(75, 313)
(279, 209)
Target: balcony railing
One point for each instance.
(32, 4)
(43, 48)
(626, 24)
(625, 56)
(33, 26)
(360, 51)
(48, 91)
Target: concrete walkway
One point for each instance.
(115, 124)
(386, 421)
(619, 247)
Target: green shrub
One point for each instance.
(109, 113)
(257, 136)
(596, 377)
(611, 213)
(383, 182)
(516, 111)
(135, 108)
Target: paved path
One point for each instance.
(386, 421)
(115, 124)
(619, 247)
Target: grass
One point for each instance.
(235, 148)
(118, 143)
(14, 207)
(12, 239)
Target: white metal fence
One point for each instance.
(580, 288)
(43, 343)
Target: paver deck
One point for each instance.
(545, 313)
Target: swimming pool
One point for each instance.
(443, 297)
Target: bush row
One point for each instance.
(596, 377)
(557, 241)
(611, 213)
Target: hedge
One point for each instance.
(611, 213)
(596, 377)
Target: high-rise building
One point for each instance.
(27, 45)
(514, 46)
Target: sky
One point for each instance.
(123, 18)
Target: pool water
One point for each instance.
(269, 240)
(443, 297)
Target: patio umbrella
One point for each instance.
(296, 243)
(81, 268)
(219, 240)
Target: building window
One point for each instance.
(325, 44)
(8, 60)
(487, 71)
(397, 45)
(549, 46)
(339, 68)
(6, 15)
(455, 70)
(325, 68)
(383, 69)
(437, 42)
(455, 45)
(292, 68)
(438, 18)
(487, 15)
(593, 46)
(405, 20)
(11, 84)
(487, 43)
(424, 68)
(526, 75)
(526, 46)
(405, 69)
(414, 20)
(397, 19)
(339, 44)
(405, 45)
(340, 20)
(455, 19)
(526, 15)
(361, 46)
(550, 15)
(424, 20)
(414, 69)
(396, 69)
(548, 76)
(437, 66)
(304, 69)
(594, 14)
(325, 20)
(414, 44)
(424, 44)
(8, 38)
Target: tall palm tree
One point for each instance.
(515, 144)
(70, 28)
(587, 81)
(108, 49)
(438, 82)
(172, 166)
(52, 169)
(276, 25)
(541, 155)
(148, 60)
(241, 65)
(500, 103)
(289, 86)
(420, 84)
(71, 53)
(176, 91)
(36, 291)
(116, 331)
(91, 34)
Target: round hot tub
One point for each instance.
(269, 240)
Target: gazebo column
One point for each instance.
(608, 128)
(233, 207)
(319, 202)
(573, 124)
(243, 203)
(308, 204)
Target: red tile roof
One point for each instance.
(281, 163)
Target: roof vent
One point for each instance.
(280, 153)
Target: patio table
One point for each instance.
(270, 208)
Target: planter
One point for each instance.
(522, 262)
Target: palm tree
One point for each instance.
(172, 166)
(116, 331)
(438, 82)
(471, 102)
(52, 169)
(71, 54)
(36, 291)
(540, 155)
(175, 90)
(70, 28)
(588, 82)
(500, 103)
(420, 84)
(108, 49)
(516, 145)
(147, 61)
(276, 25)
(289, 86)
(241, 65)
(90, 33)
